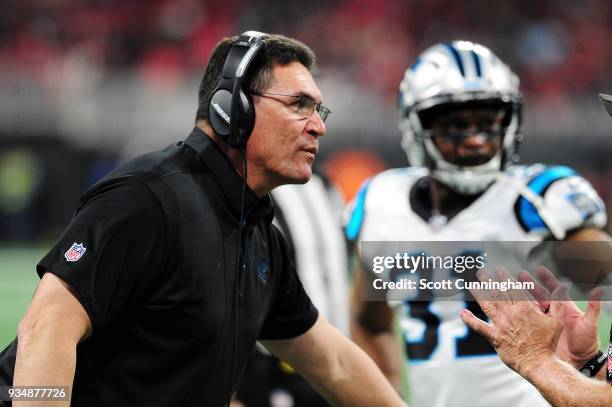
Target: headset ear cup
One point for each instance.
(247, 116)
(219, 112)
(228, 100)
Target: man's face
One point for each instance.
(468, 137)
(284, 142)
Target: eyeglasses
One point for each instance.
(304, 104)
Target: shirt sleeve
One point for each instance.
(111, 250)
(574, 204)
(570, 201)
(292, 313)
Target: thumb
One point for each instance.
(594, 306)
(477, 324)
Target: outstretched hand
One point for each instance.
(579, 340)
(520, 331)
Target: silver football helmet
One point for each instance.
(457, 73)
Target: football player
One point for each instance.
(460, 111)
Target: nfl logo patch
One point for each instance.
(76, 251)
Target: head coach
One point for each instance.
(170, 269)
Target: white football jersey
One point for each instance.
(312, 225)
(449, 364)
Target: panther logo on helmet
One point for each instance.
(459, 73)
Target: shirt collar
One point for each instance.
(229, 181)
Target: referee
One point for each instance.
(170, 269)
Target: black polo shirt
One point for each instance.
(152, 254)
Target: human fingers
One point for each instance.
(541, 294)
(478, 325)
(484, 301)
(496, 295)
(552, 283)
(593, 308)
(549, 280)
(482, 297)
(515, 294)
(558, 302)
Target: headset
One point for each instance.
(230, 111)
(232, 115)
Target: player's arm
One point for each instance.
(598, 253)
(372, 329)
(47, 338)
(574, 207)
(336, 367)
(589, 234)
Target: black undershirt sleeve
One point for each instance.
(292, 313)
(121, 228)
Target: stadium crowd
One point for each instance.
(558, 49)
(67, 61)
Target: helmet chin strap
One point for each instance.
(470, 180)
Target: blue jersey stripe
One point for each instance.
(354, 224)
(477, 63)
(528, 213)
(457, 57)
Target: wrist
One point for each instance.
(532, 362)
(540, 367)
(578, 361)
(594, 365)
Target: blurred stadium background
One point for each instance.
(86, 84)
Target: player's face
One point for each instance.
(284, 142)
(468, 137)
